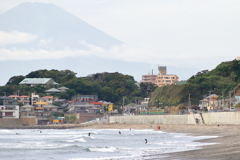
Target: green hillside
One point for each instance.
(108, 86)
(224, 78)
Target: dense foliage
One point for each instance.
(224, 78)
(108, 86)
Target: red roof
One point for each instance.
(70, 101)
(48, 97)
(13, 96)
(24, 96)
(96, 103)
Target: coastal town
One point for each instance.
(119, 80)
(30, 110)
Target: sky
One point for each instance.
(191, 34)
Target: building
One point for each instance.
(85, 98)
(80, 107)
(38, 81)
(210, 102)
(49, 99)
(150, 78)
(34, 98)
(9, 108)
(164, 79)
(21, 99)
(27, 111)
(53, 90)
(63, 89)
(161, 79)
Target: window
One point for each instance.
(8, 113)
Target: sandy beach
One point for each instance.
(227, 147)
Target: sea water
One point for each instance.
(76, 144)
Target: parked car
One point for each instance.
(232, 109)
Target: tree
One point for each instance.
(72, 118)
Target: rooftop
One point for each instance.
(36, 81)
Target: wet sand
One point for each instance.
(227, 147)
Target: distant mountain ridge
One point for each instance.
(57, 28)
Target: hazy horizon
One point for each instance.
(186, 36)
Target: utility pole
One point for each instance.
(189, 101)
(222, 100)
(230, 101)
(123, 103)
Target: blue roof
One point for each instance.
(58, 118)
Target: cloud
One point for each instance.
(43, 42)
(124, 53)
(15, 37)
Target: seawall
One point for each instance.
(206, 118)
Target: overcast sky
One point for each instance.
(197, 34)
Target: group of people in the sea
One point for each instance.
(119, 132)
(31, 131)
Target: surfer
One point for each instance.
(119, 132)
(89, 134)
(145, 141)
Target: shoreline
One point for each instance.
(226, 147)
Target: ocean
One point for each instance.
(102, 144)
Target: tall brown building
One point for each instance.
(162, 78)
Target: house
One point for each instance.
(21, 99)
(44, 114)
(27, 111)
(34, 98)
(85, 98)
(62, 103)
(9, 108)
(63, 89)
(107, 105)
(16, 97)
(210, 102)
(97, 104)
(41, 102)
(53, 90)
(9, 111)
(24, 99)
(80, 107)
(49, 99)
(58, 120)
(38, 81)
(94, 110)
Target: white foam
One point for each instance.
(75, 140)
(80, 140)
(70, 141)
(106, 149)
(5, 131)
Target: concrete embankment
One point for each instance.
(204, 118)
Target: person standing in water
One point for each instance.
(119, 132)
(89, 134)
(145, 141)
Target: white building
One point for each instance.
(9, 111)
